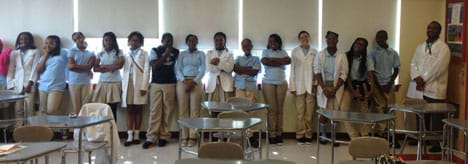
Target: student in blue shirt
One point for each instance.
(80, 63)
(274, 85)
(162, 91)
(51, 70)
(246, 68)
(190, 69)
(109, 63)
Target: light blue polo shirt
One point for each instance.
(108, 58)
(191, 64)
(274, 75)
(243, 81)
(53, 77)
(383, 62)
(80, 57)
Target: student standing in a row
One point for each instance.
(80, 63)
(331, 72)
(21, 73)
(190, 69)
(135, 85)
(246, 68)
(303, 86)
(220, 63)
(275, 86)
(51, 68)
(162, 91)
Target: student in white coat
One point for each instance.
(21, 72)
(331, 71)
(274, 85)
(135, 83)
(303, 86)
(429, 68)
(219, 66)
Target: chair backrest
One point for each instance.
(221, 150)
(368, 147)
(238, 100)
(96, 109)
(234, 115)
(31, 133)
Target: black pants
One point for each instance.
(437, 124)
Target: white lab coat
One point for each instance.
(100, 132)
(341, 72)
(140, 79)
(223, 70)
(19, 73)
(433, 68)
(301, 77)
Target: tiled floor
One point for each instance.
(291, 151)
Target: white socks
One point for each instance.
(130, 136)
(137, 134)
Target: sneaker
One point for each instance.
(184, 143)
(308, 141)
(147, 144)
(272, 140)
(323, 141)
(435, 149)
(301, 141)
(191, 143)
(279, 140)
(136, 142)
(254, 142)
(127, 143)
(162, 143)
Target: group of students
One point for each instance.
(330, 79)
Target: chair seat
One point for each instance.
(86, 145)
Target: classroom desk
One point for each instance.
(448, 137)
(214, 106)
(215, 125)
(33, 151)
(65, 122)
(422, 134)
(335, 116)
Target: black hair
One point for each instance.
(56, 50)
(140, 37)
(78, 33)
(222, 35)
(247, 39)
(382, 32)
(113, 39)
(331, 33)
(438, 25)
(350, 55)
(188, 37)
(30, 38)
(277, 38)
(302, 32)
(166, 36)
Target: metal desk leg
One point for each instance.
(260, 146)
(333, 138)
(393, 136)
(444, 147)
(267, 134)
(420, 138)
(80, 160)
(46, 160)
(318, 138)
(111, 141)
(465, 133)
(180, 142)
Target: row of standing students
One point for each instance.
(329, 78)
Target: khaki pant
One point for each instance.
(162, 104)
(30, 101)
(251, 95)
(189, 106)
(80, 95)
(349, 105)
(305, 106)
(379, 103)
(218, 94)
(49, 102)
(274, 96)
